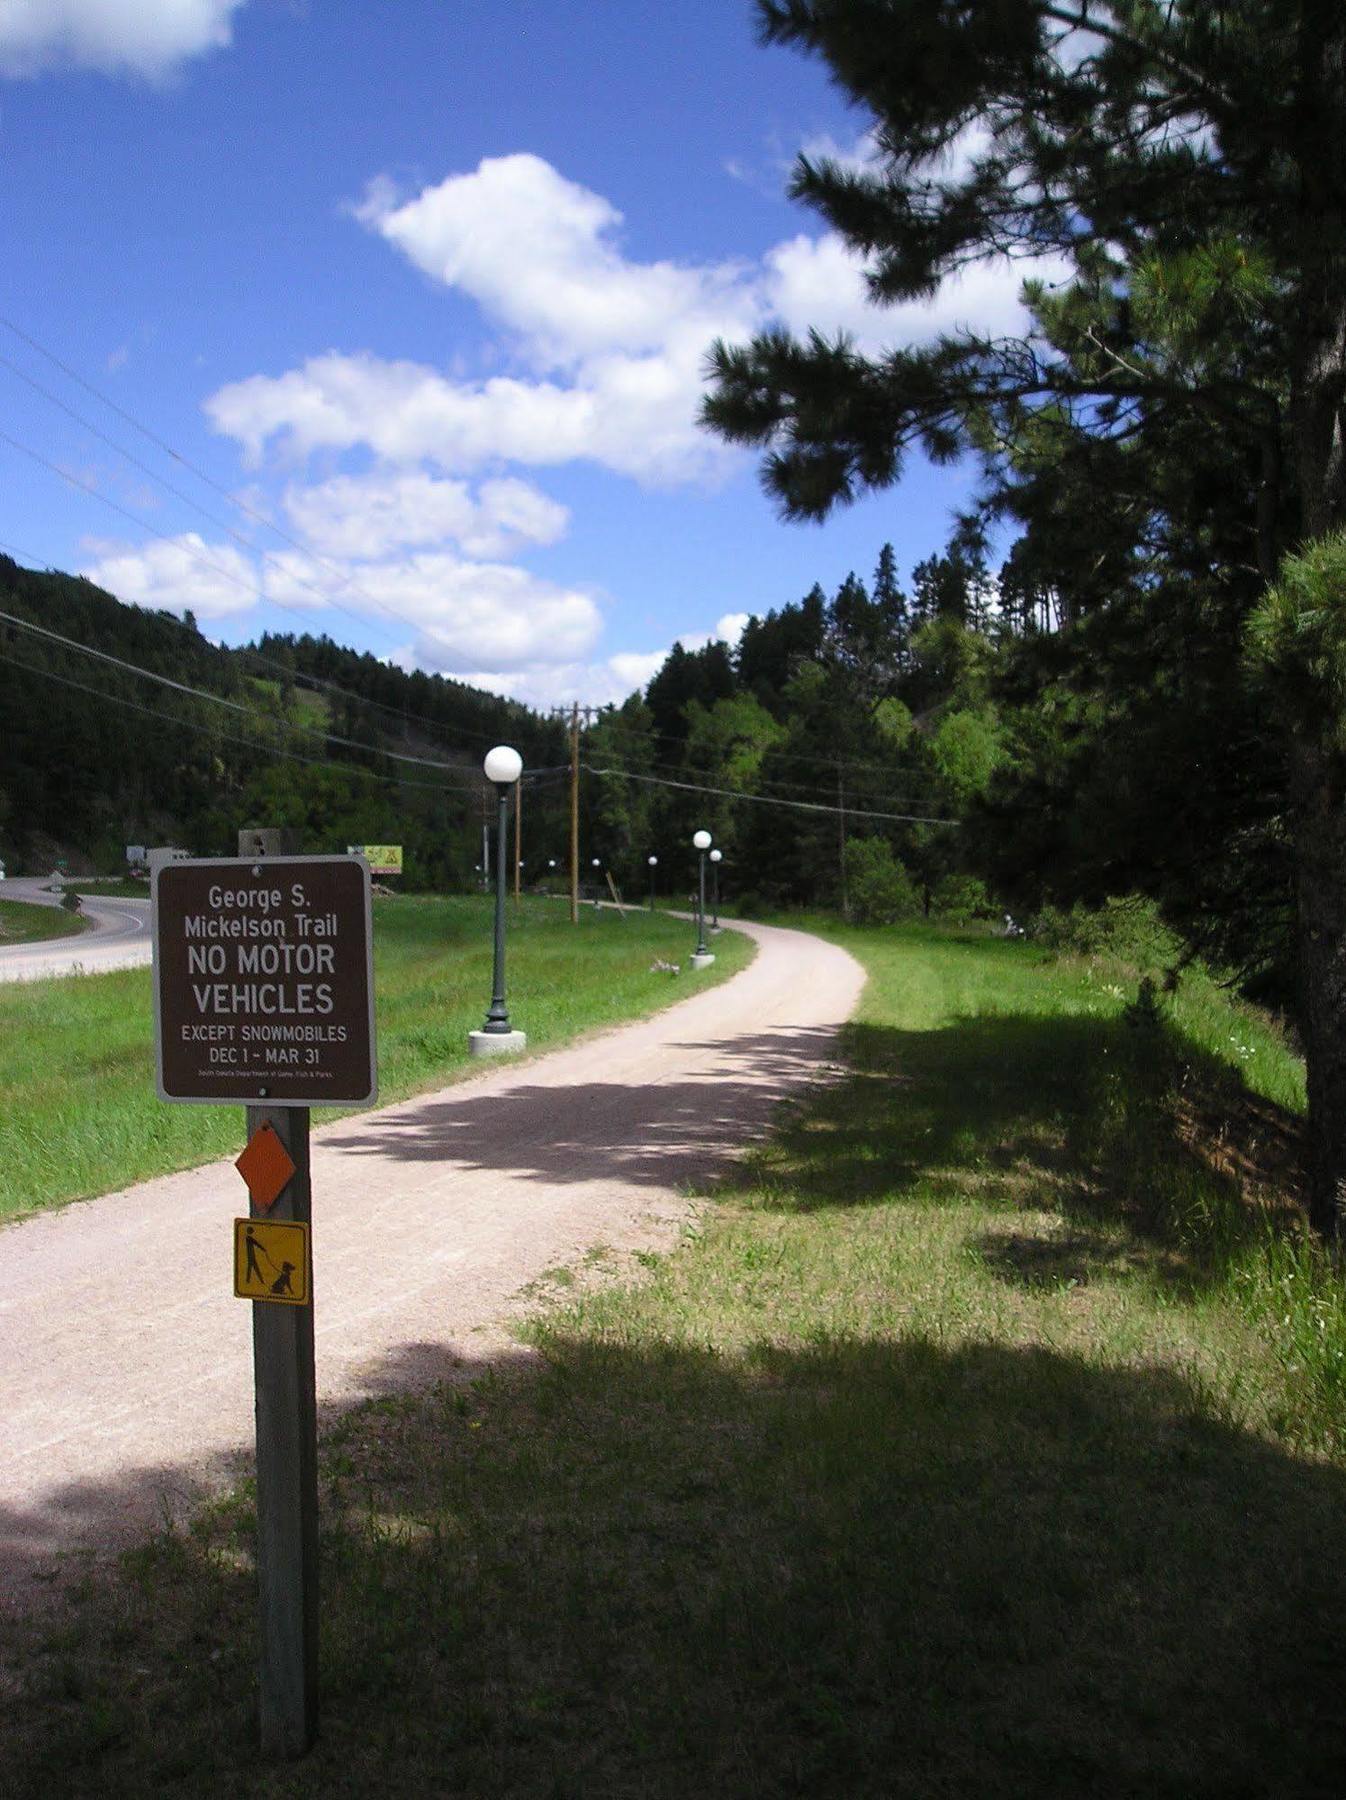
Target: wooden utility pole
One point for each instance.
(575, 814)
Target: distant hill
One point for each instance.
(291, 731)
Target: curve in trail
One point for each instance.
(125, 1361)
(118, 938)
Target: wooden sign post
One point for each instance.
(287, 1475)
(264, 993)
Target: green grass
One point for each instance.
(77, 1054)
(26, 922)
(112, 887)
(954, 1453)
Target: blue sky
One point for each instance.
(423, 288)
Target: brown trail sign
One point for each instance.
(263, 981)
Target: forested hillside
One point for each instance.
(954, 742)
(147, 733)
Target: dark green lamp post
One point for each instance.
(503, 767)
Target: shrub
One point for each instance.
(1126, 927)
(880, 889)
(963, 897)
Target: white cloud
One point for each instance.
(295, 580)
(630, 670)
(858, 157)
(610, 350)
(595, 357)
(140, 37)
(178, 575)
(464, 615)
(480, 615)
(515, 513)
(638, 421)
(620, 675)
(820, 282)
(953, 165)
(602, 683)
(366, 516)
(609, 353)
(536, 252)
(636, 668)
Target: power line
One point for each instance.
(196, 693)
(427, 762)
(162, 480)
(781, 787)
(200, 474)
(198, 556)
(346, 581)
(26, 337)
(813, 761)
(304, 675)
(261, 749)
(769, 800)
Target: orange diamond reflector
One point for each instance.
(266, 1166)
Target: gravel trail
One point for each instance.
(125, 1360)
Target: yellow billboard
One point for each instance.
(383, 859)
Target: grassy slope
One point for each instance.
(111, 887)
(25, 922)
(950, 1457)
(77, 1055)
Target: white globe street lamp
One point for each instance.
(716, 857)
(654, 864)
(502, 766)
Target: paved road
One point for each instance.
(119, 938)
(125, 1371)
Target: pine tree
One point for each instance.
(1186, 163)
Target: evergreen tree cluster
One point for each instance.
(836, 720)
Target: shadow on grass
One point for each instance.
(1088, 1117)
(859, 1570)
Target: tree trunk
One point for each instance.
(1318, 425)
(1317, 418)
(1321, 847)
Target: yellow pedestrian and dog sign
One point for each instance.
(271, 1260)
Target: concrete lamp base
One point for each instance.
(496, 1043)
(703, 961)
